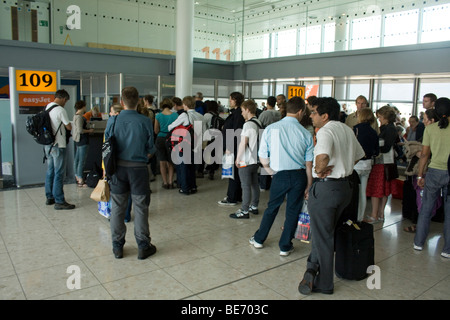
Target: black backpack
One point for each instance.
(40, 127)
(109, 153)
(217, 122)
(94, 176)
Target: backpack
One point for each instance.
(217, 122)
(178, 134)
(94, 176)
(40, 127)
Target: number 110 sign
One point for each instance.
(36, 81)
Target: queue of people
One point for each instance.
(306, 160)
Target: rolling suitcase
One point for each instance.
(354, 250)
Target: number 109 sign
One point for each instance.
(36, 81)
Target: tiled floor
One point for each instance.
(202, 253)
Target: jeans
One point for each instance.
(56, 169)
(250, 186)
(290, 183)
(79, 160)
(435, 181)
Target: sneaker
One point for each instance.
(226, 202)
(240, 214)
(286, 253)
(253, 210)
(50, 202)
(184, 192)
(64, 206)
(445, 255)
(418, 248)
(147, 252)
(255, 244)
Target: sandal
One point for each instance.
(410, 229)
(81, 184)
(370, 220)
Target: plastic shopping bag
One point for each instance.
(303, 232)
(228, 166)
(104, 208)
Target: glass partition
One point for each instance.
(439, 86)
(399, 91)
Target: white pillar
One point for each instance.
(184, 48)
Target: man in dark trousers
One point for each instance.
(335, 154)
(231, 140)
(134, 142)
(286, 152)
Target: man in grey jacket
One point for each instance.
(134, 142)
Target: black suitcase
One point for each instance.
(354, 250)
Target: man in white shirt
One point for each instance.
(184, 159)
(335, 154)
(56, 153)
(247, 161)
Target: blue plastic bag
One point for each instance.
(104, 208)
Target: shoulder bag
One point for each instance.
(109, 153)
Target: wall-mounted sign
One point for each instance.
(34, 103)
(36, 81)
(295, 91)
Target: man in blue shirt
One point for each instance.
(134, 142)
(286, 152)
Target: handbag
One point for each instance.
(303, 231)
(390, 171)
(109, 153)
(101, 191)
